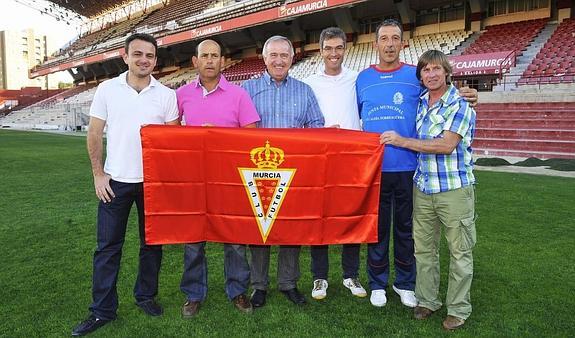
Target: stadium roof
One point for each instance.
(90, 8)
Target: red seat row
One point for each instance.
(495, 39)
(555, 62)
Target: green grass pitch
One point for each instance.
(523, 283)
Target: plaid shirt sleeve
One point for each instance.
(460, 117)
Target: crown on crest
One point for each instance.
(267, 157)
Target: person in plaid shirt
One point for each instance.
(443, 190)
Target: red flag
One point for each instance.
(260, 186)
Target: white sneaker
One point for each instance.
(407, 297)
(319, 289)
(355, 287)
(378, 298)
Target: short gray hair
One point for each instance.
(277, 38)
(331, 33)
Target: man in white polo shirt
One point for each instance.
(334, 88)
(123, 105)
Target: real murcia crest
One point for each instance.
(398, 98)
(266, 185)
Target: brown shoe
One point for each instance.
(190, 309)
(453, 323)
(242, 303)
(421, 313)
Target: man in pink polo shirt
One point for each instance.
(212, 101)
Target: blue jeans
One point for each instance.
(195, 277)
(112, 221)
(395, 203)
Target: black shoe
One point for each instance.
(295, 296)
(91, 324)
(258, 298)
(150, 307)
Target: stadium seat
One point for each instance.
(494, 39)
(557, 55)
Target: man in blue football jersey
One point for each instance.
(388, 95)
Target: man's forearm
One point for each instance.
(95, 151)
(435, 146)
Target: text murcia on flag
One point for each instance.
(266, 186)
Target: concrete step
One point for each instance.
(493, 152)
(526, 114)
(527, 105)
(519, 134)
(527, 123)
(558, 146)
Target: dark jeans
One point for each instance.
(395, 204)
(112, 221)
(349, 261)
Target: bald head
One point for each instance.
(208, 61)
(207, 44)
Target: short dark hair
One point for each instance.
(435, 57)
(143, 37)
(388, 22)
(331, 33)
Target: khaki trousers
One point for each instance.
(455, 211)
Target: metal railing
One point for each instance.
(513, 81)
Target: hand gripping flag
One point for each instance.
(260, 186)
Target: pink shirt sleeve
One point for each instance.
(179, 94)
(248, 113)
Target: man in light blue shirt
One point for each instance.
(281, 102)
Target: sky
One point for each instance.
(14, 16)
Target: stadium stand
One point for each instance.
(536, 118)
(24, 97)
(176, 16)
(166, 17)
(244, 70)
(89, 8)
(307, 66)
(496, 37)
(221, 11)
(362, 55)
(542, 130)
(84, 97)
(66, 109)
(358, 57)
(250, 68)
(184, 75)
(443, 41)
(171, 19)
(555, 62)
(94, 42)
(116, 34)
(178, 78)
(62, 96)
(53, 119)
